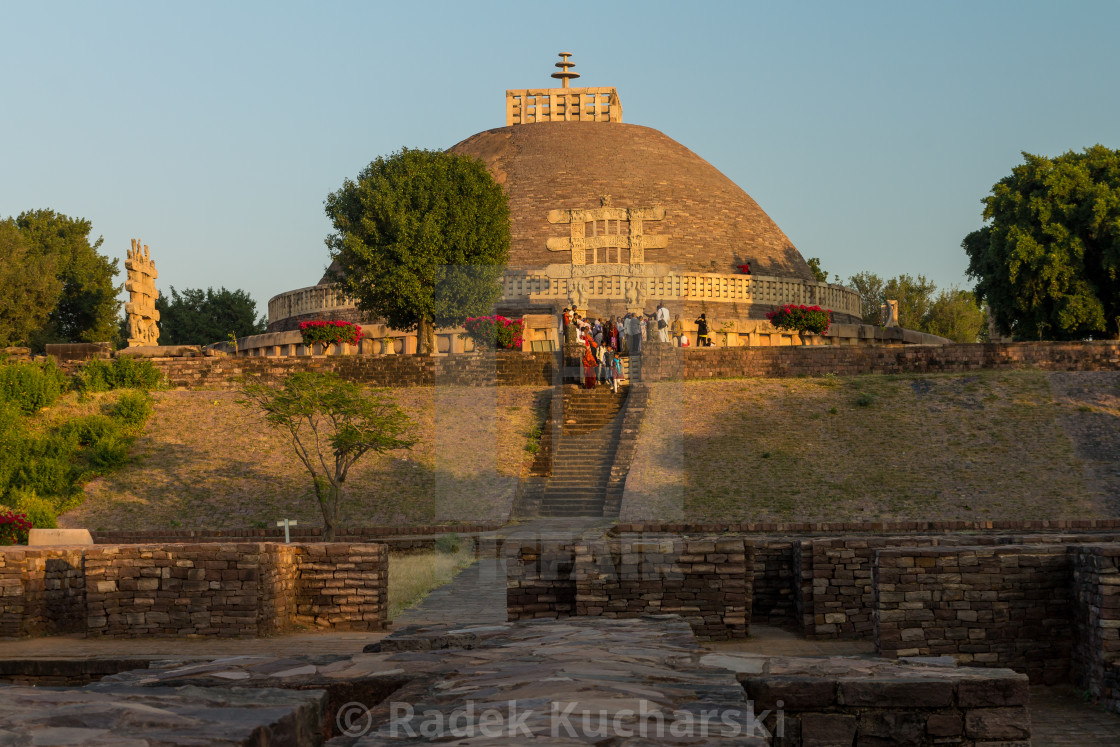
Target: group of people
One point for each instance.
(604, 340)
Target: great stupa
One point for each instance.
(608, 217)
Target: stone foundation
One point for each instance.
(707, 581)
(214, 589)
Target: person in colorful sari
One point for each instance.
(590, 364)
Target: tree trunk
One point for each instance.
(425, 337)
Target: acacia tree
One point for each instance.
(1048, 261)
(421, 240)
(332, 424)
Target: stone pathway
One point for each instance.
(477, 596)
(1061, 718)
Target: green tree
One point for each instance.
(421, 239)
(1048, 260)
(954, 314)
(87, 307)
(914, 296)
(815, 266)
(200, 317)
(870, 288)
(332, 424)
(29, 287)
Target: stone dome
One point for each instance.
(711, 224)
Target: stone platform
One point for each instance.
(576, 681)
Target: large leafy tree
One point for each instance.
(200, 317)
(870, 287)
(29, 287)
(914, 296)
(87, 306)
(421, 239)
(1048, 260)
(332, 424)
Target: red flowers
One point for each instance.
(801, 318)
(495, 331)
(330, 333)
(13, 527)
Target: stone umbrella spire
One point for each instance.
(565, 74)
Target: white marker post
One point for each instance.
(287, 523)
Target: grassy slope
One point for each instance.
(206, 462)
(985, 446)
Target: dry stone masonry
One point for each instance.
(213, 589)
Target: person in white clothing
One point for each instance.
(662, 319)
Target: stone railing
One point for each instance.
(311, 300)
(540, 334)
(639, 286)
(602, 283)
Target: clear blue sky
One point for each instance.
(869, 131)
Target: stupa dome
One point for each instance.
(710, 224)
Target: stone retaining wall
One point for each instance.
(864, 703)
(705, 580)
(42, 591)
(985, 606)
(1096, 622)
(400, 536)
(672, 363)
(212, 589)
(659, 362)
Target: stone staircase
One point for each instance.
(583, 458)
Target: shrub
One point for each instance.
(124, 372)
(31, 386)
(39, 511)
(88, 430)
(13, 527)
(449, 543)
(864, 400)
(330, 333)
(133, 408)
(495, 332)
(801, 318)
(109, 453)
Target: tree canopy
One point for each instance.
(421, 239)
(815, 267)
(29, 287)
(332, 424)
(198, 317)
(951, 313)
(86, 308)
(1048, 261)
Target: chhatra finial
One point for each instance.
(565, 74)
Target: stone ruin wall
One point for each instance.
(212, 589)
(707, 581)
(659, 363)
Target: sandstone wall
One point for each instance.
(213, 589)
(705, 580)
(1096, 622)
(42, 591)
(985, 606)
(660, 362)
(866, 703)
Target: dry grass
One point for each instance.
(990, 445)
(205, 462)
(412, 576)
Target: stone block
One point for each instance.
(827, 729)
(998, 723)
(897, 693)
(38, 537)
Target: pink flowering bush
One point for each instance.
(801, 318)
(495, 332)
(330, 333)
(13, 527)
